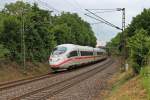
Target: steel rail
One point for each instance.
(73, 80)
(24, 81)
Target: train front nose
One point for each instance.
(54, 61)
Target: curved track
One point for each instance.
(24, 81)
(10, 84)
(38, 88)
(55, 88)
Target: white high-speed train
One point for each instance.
(66, 56)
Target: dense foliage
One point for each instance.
(42, 31)
(114, 45)
(138, 40)
(139, 45)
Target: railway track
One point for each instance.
(22, 81)
(45, 89)
(10, 84)
(53, 89)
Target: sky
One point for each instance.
(103, 33)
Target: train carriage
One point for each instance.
(66, 56)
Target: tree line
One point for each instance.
(138, 41)
(42, 31)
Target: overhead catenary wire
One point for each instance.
(96, 23)
(103, 20)
(123, 37)
(105, 9)
(79, 5)
(76, 6)
(103, 12)
(95, 18)
(49, 6)
(99, 20)
(106, 22)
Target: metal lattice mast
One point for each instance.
(123, 33)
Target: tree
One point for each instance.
(38, 39)
(137, 35)
(10, 36)
(140, 21)
(3, 51)
(62, 34)
(79, 30)
(139, 46)
(115, 46)
(42, 31)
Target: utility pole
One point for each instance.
(125, 54)
(23, 55)
(123, 40)
(123, 19)
(123, 35)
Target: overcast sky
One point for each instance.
(103, 32)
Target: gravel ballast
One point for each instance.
(90, 88)
(32, 86)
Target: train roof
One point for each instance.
(73, 46)
(99, 49)
(78, 47)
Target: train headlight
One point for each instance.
(57, 59)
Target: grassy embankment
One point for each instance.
(127, 87)
(10, 71)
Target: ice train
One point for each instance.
(66, 56)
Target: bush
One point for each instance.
(145, 74)
(139, 46)
(3, 51)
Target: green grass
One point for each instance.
(145, 74)
(3, 51)
(13, 71)
(125, 77)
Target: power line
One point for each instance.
(96, 23)
(103, 12)
(95, 18)
(106, 22)
(122, 37)
(98, 20)
(49, 6)
(104, 9)
(77, 6)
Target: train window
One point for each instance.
(99, 53)
(59, 50)
(86, 53)
(73, 54)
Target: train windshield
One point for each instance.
(59, 50)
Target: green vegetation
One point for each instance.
(3, 51)
(138, 41)
(127, 88)
(122, 80)
(138, 45)
(114, 45)
(11, 72)
(42, 31)
(145, 75)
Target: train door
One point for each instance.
(79, 55)
(72, 56)
(94, 54)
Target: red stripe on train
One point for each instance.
(72, 59)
